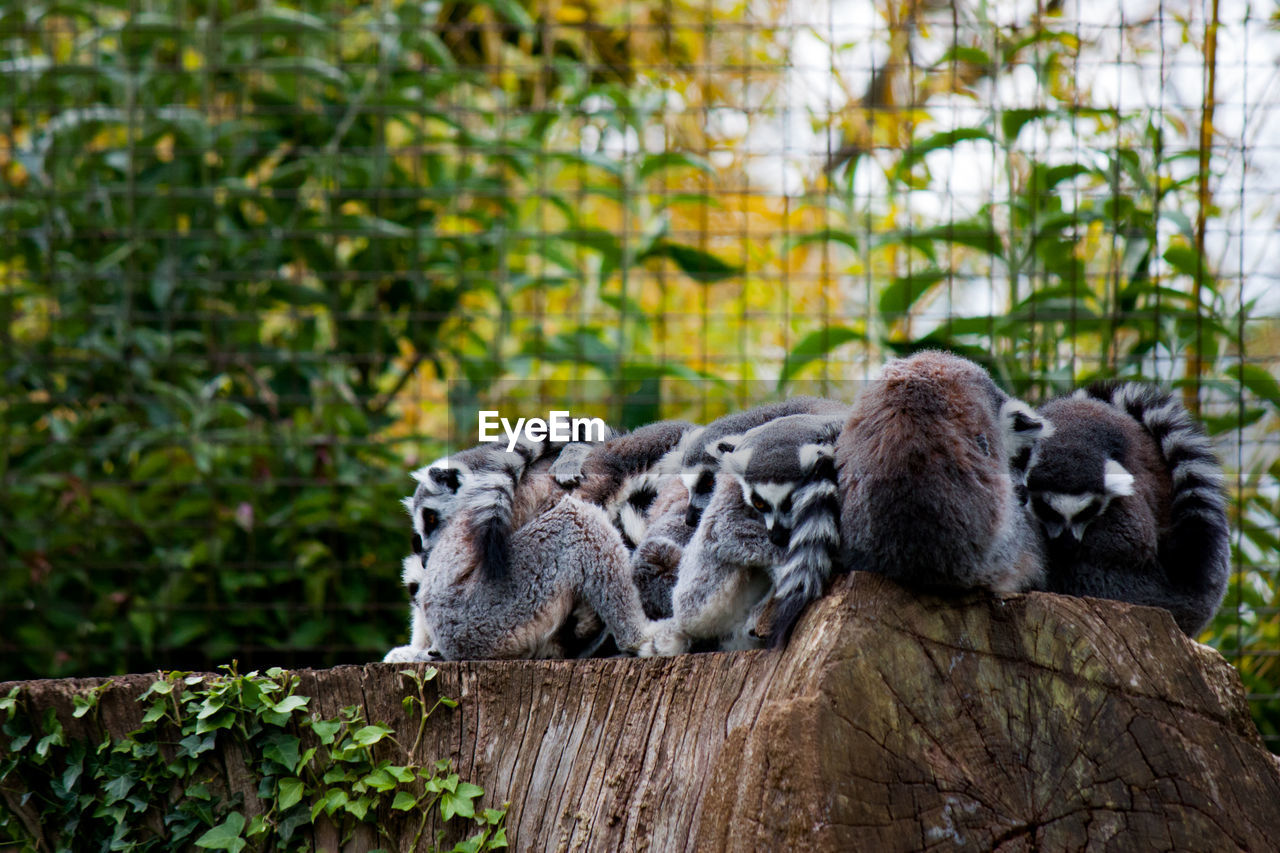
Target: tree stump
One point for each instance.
(892, 721)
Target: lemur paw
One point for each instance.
(664, 640)
(408, 654)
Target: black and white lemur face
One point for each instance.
(1069, 513)
(772, 462)
(1076, 476)
(700, 462)
(433, 501)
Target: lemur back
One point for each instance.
(568, 566)
(699, 464)
(929, 497)
(624, 474)
(1129, 494)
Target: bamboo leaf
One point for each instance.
(817, 345)
(702, 267)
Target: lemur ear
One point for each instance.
(735, 461)
(448, 478)
(725, 445)
(689, 439)
(812, 454)
(1023, 421)
(1116, 479)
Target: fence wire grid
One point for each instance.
(252, 254)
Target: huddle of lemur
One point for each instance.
(677, 537)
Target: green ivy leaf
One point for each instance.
(404, 801)
(226, 835)
(326, 730)
(359, 807)
(290, 793)
(451, 804)
(155, 712)
(283, 749)
(118, 788)
(466, 789)
(371, 734)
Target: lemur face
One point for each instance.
(772, 503)
(433, 501)
(1062, 513)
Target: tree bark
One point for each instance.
(892, 721)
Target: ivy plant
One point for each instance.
(162, 787)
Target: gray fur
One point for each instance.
(788, 473)
(624, 474)
(1129, 493)
(930, 498)
(656, 560)
(507, 489)
(699, 465)
(723, 579)
(413, 573)
(568, 565)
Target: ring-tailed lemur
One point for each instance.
(507, 488)
(772, 524)
(1130, 494)
(787, 472)
(723, 577)
(569, 571)
(435, 498)
(699, 464)
(656, 560)
(624, 474)
(929, 497)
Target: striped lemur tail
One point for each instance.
(490, 499)
(1196, 549)
(814, 547)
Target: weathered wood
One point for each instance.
(891, 722)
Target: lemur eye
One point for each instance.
(417, 544)
(429, 520)
(706, 482)
(413, 589)
(758, 503)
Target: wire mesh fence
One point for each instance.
(253, 253)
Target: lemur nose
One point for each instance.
(692, 516)
(780, 536)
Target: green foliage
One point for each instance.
(162, 787)
(228, 250)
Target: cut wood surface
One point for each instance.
(892, 721)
